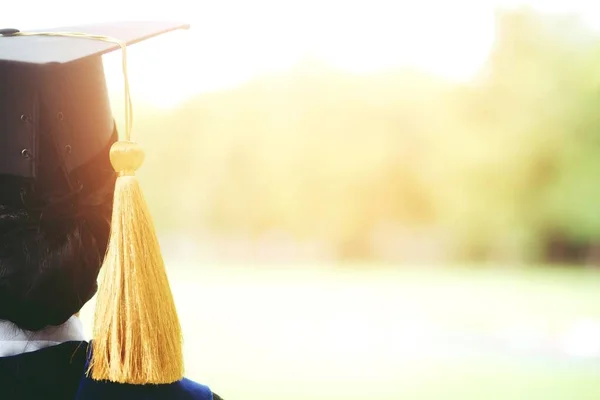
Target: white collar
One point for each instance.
(14, 340)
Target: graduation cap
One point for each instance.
(57, 83)
(52, 83)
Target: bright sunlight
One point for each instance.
(234, 41)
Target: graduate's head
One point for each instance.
(56, 185)
(70, 203)
(56, 178)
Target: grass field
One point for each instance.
(302, 333)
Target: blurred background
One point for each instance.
(372, 199)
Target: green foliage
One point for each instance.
(501, 165)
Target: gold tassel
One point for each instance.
(137, 336)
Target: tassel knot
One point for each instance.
(126, 157)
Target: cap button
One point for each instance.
(8, 31)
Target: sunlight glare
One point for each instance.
(234, 41)
(359, 37)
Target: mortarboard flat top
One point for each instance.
(62, 50)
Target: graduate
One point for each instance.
(71, 207)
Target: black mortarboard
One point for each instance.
(56, 86)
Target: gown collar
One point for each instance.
(14, 341)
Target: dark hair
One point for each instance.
(53, 236)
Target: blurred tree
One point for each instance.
(540, 86)
(506, 165)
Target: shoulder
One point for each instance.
(197, 390)
(184, 389)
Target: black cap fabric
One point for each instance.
(56, 86)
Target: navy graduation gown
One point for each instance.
(58, 372)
